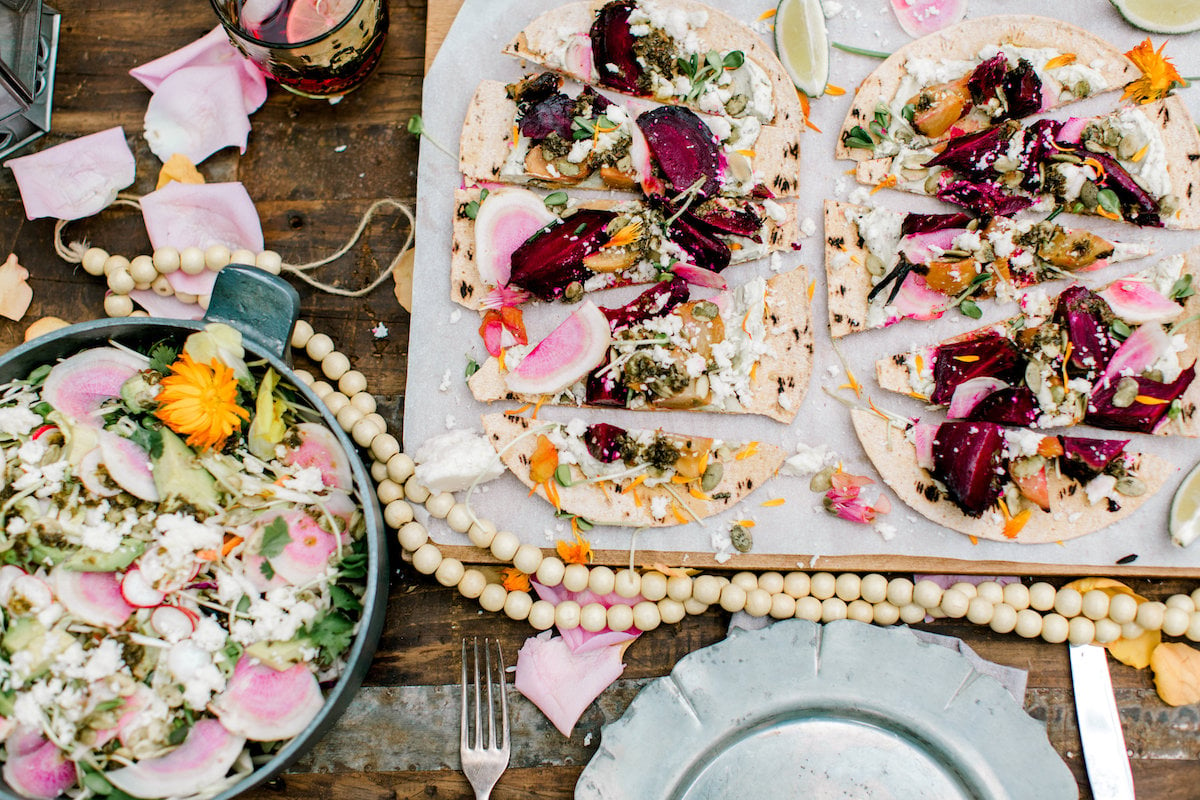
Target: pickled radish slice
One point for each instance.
(923, 436)
(90, 477)
(921, 17)
(308, 19)
(77, 386)
(204, 758)
(264, 704)
(319, 448)
(920, 248)
(1135, 355)
(36, 768)
(91, 597)
(1138, 303)
(578, 57)
(128, 465)
(172, 623)
(699, 276)
(307, 555)
(138, 591)
(571, 351)
(916, 300)
(969, 393)
(505, 220)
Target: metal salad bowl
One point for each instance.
(264, 308)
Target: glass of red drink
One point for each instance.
(314, 48)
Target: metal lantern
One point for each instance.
(28, 48)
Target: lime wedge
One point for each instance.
(802, 44)
(1184, 523)
(1161, 16)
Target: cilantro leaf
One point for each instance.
(162, 356)
(275, 538)
(344, 599)
(147, 439)
(266, 569)
(332, 633)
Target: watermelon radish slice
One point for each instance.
(172, 623)
(916, 300)
(128, 465)
(138, 591)
(204, 758)
(307, 555)
(264, 704)
(77, 386)
(921, 248)
(1072, 130)
(37, 769)
(91, 597)
(578, 57)
(8, 576)
(1135, 355)
(923, 436)
(319, 448)
(968, 394)
(699, 276)
(34, 592)
(89, 475)
(922, 17)
(1137, 303)
(506, 219)
(572, 350)
(341, 505)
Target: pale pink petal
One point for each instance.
(212, 49)
(166, 307)
(197, 111)
(15, 292)
(946, 581)
(74, 179)
(699, 276)
(200, 215)
(563, 683)
(579, 640)
(192, 284)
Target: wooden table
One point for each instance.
(311, 169)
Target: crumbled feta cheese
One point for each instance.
(452, 461)
(808, 460)
(18, 421)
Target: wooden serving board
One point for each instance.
(440, 17)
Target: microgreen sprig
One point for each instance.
(416, 126)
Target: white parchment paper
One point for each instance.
(444, 335)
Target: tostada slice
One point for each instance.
(533, 132)
(641, 478)
(744, 351)
(1009, 484)
(884, 266)
(514, 243)
(673, 51)
(1121, 358)
(974, 75)
(1139, 164)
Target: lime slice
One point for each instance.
(1184, 523)
(308, 19)
(802, 44)
(1161, 16)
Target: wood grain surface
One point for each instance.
(311, 169)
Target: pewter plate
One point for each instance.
(824, 712)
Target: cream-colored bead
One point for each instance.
(348, 416)
(472, 583)
(415, 492)
(141, 269)
(185, 298)
(671, 611)
(322, 390)
(1016, 595)
(1107, 631)
(517, 605)
(449, 572)
(758, 602)
(809, 608)
(693, 607)
(860, 610)
(1193, 628)
(505, 545)
(680, 587)
(352, 382)
(400, 467)
(527, 558)
(1041, 596)
(797, 584)
(783, 606)
(383, 447)
(162, 287)
(966, 587)
(575, 578)
(269, 261)
(460, 518)
(120, 281)
(566, 615)
(378, 471)
(412, 536)
(378, 419)
(1055, 628)
(833, 609)
(303, 376)
(1182, 602)
(1095, 604)
(242, 256)
(601, 580)
(911, 613)
(115, 264)
(990, 591)
(848, 586)
(593, 618)
(979, 610)
(1080, 630)
(217, 257)
(203, 300)
(550, 571)
(364, 402)
(1150, 615)
(900, 592)
(493, 598)
(138, 313)
(733, 597)
(481, 533)
(319, 346)
(1068, 602)
(646, 616)
(746, 580)
(191, 260)
(654, 586)
(1175, 621)
(440, 504)
(166, 260)
(301, 333)
(928, 594)
(397, 513)
(771, 582)
(1122, 608)
(620, 617)
(885, 613)
(705, 588)
(1029, 623)
(1004, 618)
(954, 603)
(118, 305)
(364, 431)
(427, 558)
(93, 261)
(873, 588)
(541, 615)
(823, 585)
(628, 583)
(335, 365)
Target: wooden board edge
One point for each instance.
(439, 17)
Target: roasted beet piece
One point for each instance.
(1022, 90)
(1038, 145)
(604, 442)
(684, 148)
(1084, 458)
(1141, 207)
(612, 47)
(1015, 405)
(534, 89)
(729, 216)
(1147, 410)
(700, 242)
(928, 223)
(986, 77)
(968, 458)
(1086, 318)
(982, 198)
(603, 388)
(973, 154)
(552, 115)
(657, 301)
(553, 258)
(987, 356)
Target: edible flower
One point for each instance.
(577, 552)
(199, 401)
(843, 498)
(544, 460)
(502, 327)
(1159, 75)
(515, 580)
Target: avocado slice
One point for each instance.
(87, 560)
(179, 476)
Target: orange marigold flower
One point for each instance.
(1159, 75)
(515, 580)
(199, 401)
(578, 552)
(544, 460)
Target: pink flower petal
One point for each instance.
(563, 683)
(199, 215)
(74, 179)
(212, 49)
(197, 111)
(166, 307)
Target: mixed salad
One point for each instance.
(182, 564)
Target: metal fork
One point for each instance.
(483, 764)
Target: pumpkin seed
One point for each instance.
(573, 292)
(1093, 146)
(1081, 89)
(705, 309)
(1111, 136)
(1155, 375)
(1066, 158)
(736, 105)
(931, 183)
(711, 477)
(1089, 193)
(1057, 393)
(1128, 146)
(1126, 393)
(1027, 467)
(740, 538)
(874, 264)
(1033, 376)
(1131, 486)
(1005, 164)
(823, 480)
(1168, 205)
(954, 253)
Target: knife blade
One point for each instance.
(1104, 752)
